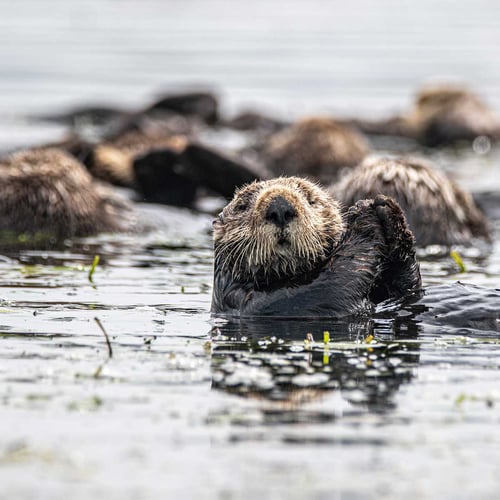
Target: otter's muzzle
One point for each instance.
(280, 212)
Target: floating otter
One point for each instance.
(315, 147)
(253, 121)
(109, 150)
(216, 171)
(113, 161)
(441, 115)
(283, 248)
(47, 192)
(445, 114)
(171, 109)
(203, 105)
(438, 211)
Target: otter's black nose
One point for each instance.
(280, 212)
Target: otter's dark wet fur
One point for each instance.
(315, 147)
(283, 248)
(438, 211)
(48, 191)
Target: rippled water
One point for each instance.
(404, 405)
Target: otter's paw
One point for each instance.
(398, 236)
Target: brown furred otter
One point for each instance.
(438, 211)
(113, 161)
(441, 114)
(445, 113)
(315, 147)
(283, 248)
(46, 191)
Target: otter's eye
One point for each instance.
(241, 207)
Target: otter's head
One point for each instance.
(439, 96)
(315, 147)
(276, 229)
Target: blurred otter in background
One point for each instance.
(159, 150)
(438, 211)
(113, 160)
(155, 150)
(46, 192)
(445, 114)
(108, 141)
(441, 115)
(314, 147)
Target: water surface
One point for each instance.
(403, 405)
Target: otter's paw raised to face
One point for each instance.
(274, 230)
(282, 248)
(398, 236)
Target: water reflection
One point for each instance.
(289, 362)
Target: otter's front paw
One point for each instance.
(398, 236)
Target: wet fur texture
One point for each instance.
(322, 264)
(249, 248)
(47, 190)
(438, 211)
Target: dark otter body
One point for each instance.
(438, 211)
(283, 249)
(161, 178)
(46, 191)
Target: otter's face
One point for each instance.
(435, 100)
(276, 229)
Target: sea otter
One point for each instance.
(46, 192)
(441, 115)
(445, 113)
(283, 248)
(438, 211)
(315, 147)
(113, 160)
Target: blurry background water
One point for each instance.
(292, 57)
(416, 417)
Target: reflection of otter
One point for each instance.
(48, 191)
(268, 358)
(282, 248)
(438, 211)
(315, 147)
(291, 372)
(442, 114)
